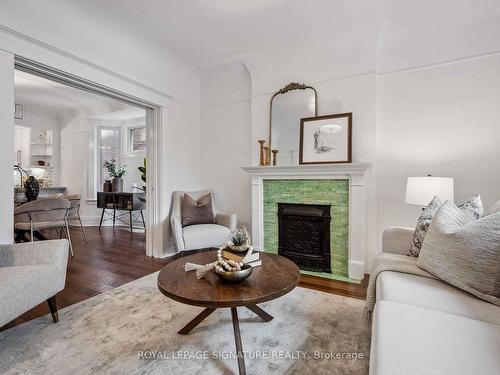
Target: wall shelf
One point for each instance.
(350, 169)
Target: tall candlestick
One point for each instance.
(262, 160)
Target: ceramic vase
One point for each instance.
(31, 188)
(107, 186)
(117, 184)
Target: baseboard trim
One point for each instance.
(93, 221)
(356, 269)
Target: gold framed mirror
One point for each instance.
(285, 114)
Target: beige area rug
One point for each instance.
(133, 330)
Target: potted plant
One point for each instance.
(142, 169)
(239, 240)
(116, 172)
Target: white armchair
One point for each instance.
(200, 236)
(31, 273)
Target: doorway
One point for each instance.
(125, 130)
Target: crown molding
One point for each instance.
(71, 56)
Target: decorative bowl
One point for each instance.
(235, 276)
(238, 248)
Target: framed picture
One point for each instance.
(18, 111)
(326, 139)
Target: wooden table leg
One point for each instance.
(264, 315)
(21, 236)
(39, 236)
(143, 222)
(197, 320)
(102, 217)
(130, 222)
(237, 339)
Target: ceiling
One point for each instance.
(51, 96)
(384, 35)
(212, 31)
(122, 115)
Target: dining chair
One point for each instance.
(74, 213)
(43, 214)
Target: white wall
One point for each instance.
(231, 125)
(408, 39)
(35, 117)
(76, 133)
(133, 160)
(225, 134)
(67, 28)
(157, 76)
(6, 147)
(78, 155)
(443, 120)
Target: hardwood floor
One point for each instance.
(342, 288)
(112, 258)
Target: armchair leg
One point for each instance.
(53, 308)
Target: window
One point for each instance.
(108, 147)
(136, 139)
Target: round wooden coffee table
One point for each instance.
(276, 277)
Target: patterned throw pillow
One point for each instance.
(472, 207)
(423, 223)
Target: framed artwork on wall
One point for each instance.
(326, 139)
(18, 111)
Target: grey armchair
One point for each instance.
(31, 273)
(200, 235)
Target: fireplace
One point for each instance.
(304, 235)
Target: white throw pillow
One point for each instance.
(473, 207)
(493, 209)
(464, 252)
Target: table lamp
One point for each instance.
(421, 190)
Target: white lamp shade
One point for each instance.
(421, 190)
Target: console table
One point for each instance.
(122, 201)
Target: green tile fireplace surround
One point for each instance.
(343, 186)
(334, 192)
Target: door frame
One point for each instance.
(153, 231)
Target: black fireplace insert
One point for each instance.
(304, 235)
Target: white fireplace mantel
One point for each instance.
(354, 172)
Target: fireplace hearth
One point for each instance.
(304, 235)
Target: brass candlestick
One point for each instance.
(262, 160)
(275, 153)
(267, 155)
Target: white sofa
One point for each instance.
(426, 326)
(31, 273)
